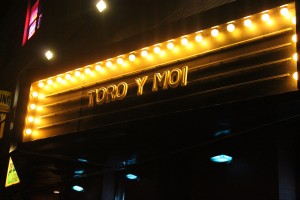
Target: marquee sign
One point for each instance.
(249, 57)
(170, 78)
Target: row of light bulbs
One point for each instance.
(144, 52)
(230, 27)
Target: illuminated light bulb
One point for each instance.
(170, 45)
(35, 94)
(284, 11)
(247, 22)
(108, 64)
(294, 20)
(295, 76)
(230, 27)
(68, 76)
(295, 57)
(144, 53)
(265, 17)
(28, 131)
(77, 73)
(32, 106)
(41, 84)
(49, 82)
(49, 55)
(98, 67)
(59, 79)
(294, 38)
(184, 41)
(101, 5)
(199, 37)
(30, 119)
(120, 60)
(214, 32)
(156, 49)
(132, 57)
(87, 70)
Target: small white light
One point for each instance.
(294, 38)
(198, 37)
(294, 20)
(30, 119)
(98, 67)
(28, 131)
(265, 17)
(230, 27)
(49, 55)
(108, 63)
(248, 22)
(295, 57)
(101, 5)
(59, 79)
(87, 70)
(214, 32)
(77, 73)
(144, 53)
(170, 45)
(56, 192)
(49, 82)
(32, 106)
(131, 57)
(35, 94)
(41, 84)
(184, 41)
(284, 11)
(156, 49)
(295, 75)
(68, 76)
(120, 60)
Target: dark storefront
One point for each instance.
(219, 79)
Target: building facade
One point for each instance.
(153, 100)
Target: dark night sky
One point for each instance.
(5, 8)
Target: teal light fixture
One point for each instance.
(221, 158)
